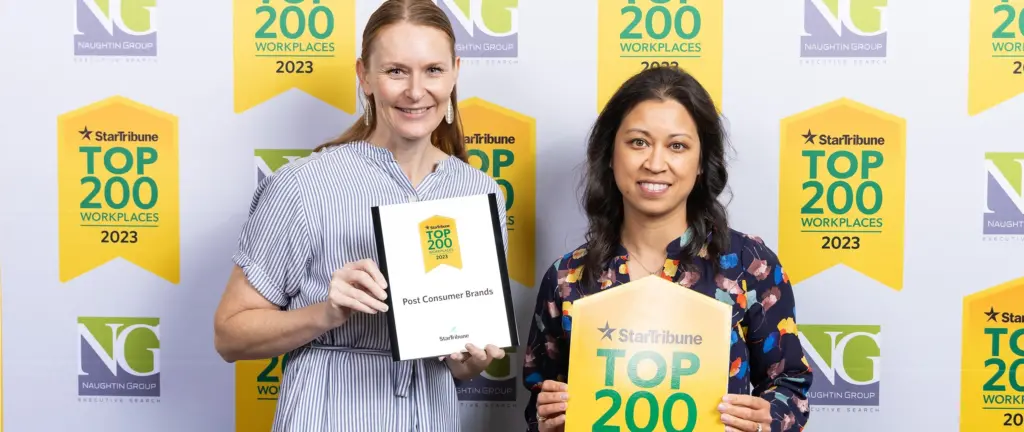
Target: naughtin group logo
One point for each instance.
(119, 357)
(846, 361)
(484, 28)
(495, 386)
(269, 161)
(115, 28)
(1004, 198)
(844, 28)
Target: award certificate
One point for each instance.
(448, 282)
(648, 355)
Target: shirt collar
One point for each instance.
(672, 249)
(368, 150)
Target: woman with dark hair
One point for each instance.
(655, 170)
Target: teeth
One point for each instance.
(653, 187)
(414, 111)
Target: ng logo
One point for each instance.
(119, 357)
(270, 160)
(484, 28)
(1004, 200)
(846, 361)
(115, 28)
(495, 384)
(844, 28)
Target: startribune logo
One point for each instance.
(1003, 317)
(648, 336)
(842, 139)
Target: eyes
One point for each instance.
(395, 72)
(640, 143)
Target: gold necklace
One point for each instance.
(639, 261)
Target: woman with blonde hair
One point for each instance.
(305, 282)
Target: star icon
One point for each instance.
(607, 331)
(809, 137)
(86, 133)
(991, 313)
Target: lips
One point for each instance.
(652, 187)
(414, 110)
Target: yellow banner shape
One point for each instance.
(648, 355)
(991, 389)
(842, 171)
(635, 35)
(257, 384)
(996, 71)
(503, 143)
(439, 241)
(117, 165)
(309, 45)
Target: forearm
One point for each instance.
(264, 333)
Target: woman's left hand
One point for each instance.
(469, 364)
(745, 413)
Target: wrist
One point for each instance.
(327, 316)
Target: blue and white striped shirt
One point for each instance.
(309, 219)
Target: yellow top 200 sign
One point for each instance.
(635, 35)
(303, 44)
(996, 72)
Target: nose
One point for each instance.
(416, 89)
(656, 161)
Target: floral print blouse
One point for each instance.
(765, 352)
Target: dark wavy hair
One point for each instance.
(602, 200)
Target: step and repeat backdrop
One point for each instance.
(876, 147)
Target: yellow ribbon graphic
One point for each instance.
(502, 143)
(996, 71)
(992, 353)
(841, 191)
(635, 35)
(440, 243)
(117, 164)
(303, 44)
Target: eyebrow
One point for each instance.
(398, 64)
(680, 134)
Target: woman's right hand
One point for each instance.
(358, 286)
(551, 405)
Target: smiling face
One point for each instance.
(410, 74)
(656, 158)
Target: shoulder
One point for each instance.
(571, 259)
(473, 178)
(313, 168)
(567, 267)
(749, 256)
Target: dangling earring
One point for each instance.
(367, 112)
(450, 115)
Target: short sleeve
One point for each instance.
(274, 247)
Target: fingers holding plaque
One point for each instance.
(447, 277)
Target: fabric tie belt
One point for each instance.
(401, 371)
